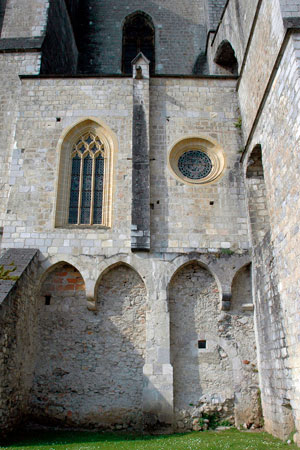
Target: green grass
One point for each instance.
(226, 440)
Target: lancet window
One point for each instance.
(87, 180)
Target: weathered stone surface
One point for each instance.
(196, 279)
(18, 338)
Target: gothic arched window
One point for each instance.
(86, 192)
(138, 36)
(84, 195)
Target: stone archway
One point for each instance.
(59, 376)
(201, 366)
(121, 302)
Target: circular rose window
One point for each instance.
(197, 160)
(194, 164)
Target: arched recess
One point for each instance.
(62, 318)
(200, 366)
(121, 305)
(256, 193)
(225, 57)
(241, 290)
(87, 152)
(182, 261)
(138, 36)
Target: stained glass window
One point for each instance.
(195, 164)
(87, 181)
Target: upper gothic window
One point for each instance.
(84, 196)
(138, 36)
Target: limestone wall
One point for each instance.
(290, 9)
(214, 12)
(267, 40)
(212, 216)
(46, 114)
(217, 378)
(236, 28)
(10, 156)
(25, 18)
(18, 338)
(191, 216)
(278, 133)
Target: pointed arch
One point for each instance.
(225, 57)
(138, 36)
(54, 267)
(241, 288)
(257, 198)
(114, 266)
(85, 181)
(181, 265)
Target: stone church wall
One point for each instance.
(187, 217)
(197, 107)
(236, 28)
(38, 134)
(24, 18)
(10, 65)
(278, 133)
(218, 378)
(214, 10)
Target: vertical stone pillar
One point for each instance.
(140, 230)
(158, 372)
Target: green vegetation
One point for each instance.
(227, 251)
(5, 273)
(238, 123)
(210, 440)
(212, 420)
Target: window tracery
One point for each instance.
(85, 180)
(86, 193)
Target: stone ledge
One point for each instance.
(291, 22)
(21, 259)
(15, 45)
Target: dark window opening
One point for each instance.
(138, 36)
(201, 344)
(47, 299)
(226, 58)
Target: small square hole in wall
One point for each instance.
(47, 299)
(201, 344)
(211, 203)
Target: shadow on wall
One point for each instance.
(2, 12)
(99, 37)
(257, 200)
(89, 369)
(159, 195)
(225, 57)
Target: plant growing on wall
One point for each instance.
(5, 273)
